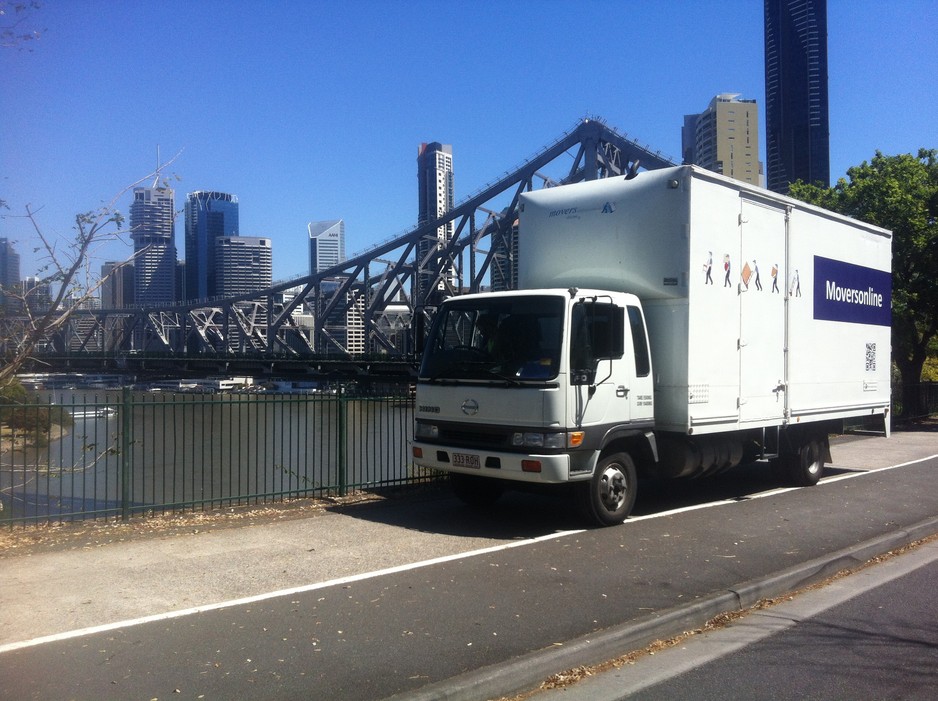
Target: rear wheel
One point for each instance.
(804, 468)
(476, 492)
(607, 499)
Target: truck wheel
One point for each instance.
(804, 468)
(475, 492)
(607, 499)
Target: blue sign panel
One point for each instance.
(851, 293)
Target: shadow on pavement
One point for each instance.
(529, 514)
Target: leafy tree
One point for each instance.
(15, 18)
(899, 193)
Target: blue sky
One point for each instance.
(315, 110)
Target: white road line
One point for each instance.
(275, 594)
(9, 647)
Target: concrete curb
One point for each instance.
(527, 671)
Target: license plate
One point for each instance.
(465, 460)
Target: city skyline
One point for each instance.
(266, 138)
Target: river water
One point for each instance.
(189, 449)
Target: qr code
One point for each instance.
(871, 357)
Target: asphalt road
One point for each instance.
(425, 599)
(871, 635)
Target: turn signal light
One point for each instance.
(418, 452)
(575, 439)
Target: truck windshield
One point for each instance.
(508, 339)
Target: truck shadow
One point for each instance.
(540, 512)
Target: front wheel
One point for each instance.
(607, 499)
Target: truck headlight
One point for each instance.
(553, 441)
(422, 429)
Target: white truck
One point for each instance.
(674, 324)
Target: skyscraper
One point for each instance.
(796, 101)
(9, 273)
(243, 264)
(724, 138)
(117, 290)
(152, 228)
(37, 293)
(209, 215)
(436, 197)
(9, 264)
(326, 244)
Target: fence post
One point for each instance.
(343, 440)
(126, 424)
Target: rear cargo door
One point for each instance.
(762, 312)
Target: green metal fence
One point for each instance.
(117, 454)
(915, 401)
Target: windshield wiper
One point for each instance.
(468, 371)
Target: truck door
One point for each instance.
(642, 391)
(604, 364)
(762, 312)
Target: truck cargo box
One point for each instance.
(761, 310)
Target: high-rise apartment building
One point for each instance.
(436, 197)
(243, 264)
(724, 138)
(326, 244)
(209, 215)
(796, 99)
(152, 228)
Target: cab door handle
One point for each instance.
(622, 392)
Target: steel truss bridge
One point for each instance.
(370, 304)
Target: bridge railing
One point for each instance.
(115, 455)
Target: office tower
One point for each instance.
(209, 215)
(38, 295)
(117, 290)
(344, 325)
(504, 271)
(724, 138)
(152, 228)
(9, 273)
(326, 244)
(796, 104)
(436, 197)
(243, 264)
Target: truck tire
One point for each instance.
(476, 492)
(607, 499)
(804, 468)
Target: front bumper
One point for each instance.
(520, 467)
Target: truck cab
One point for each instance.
(538, 386)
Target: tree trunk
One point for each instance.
(910, 372)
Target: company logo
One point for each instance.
(609, 208)
(470, 407)
(851, 293)
(562, 212)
